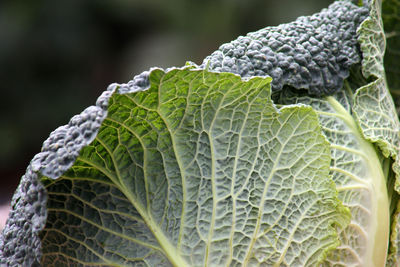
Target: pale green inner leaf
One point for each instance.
(359, 178)
(200, 170)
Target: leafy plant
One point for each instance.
(220, 165)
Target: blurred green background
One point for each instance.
(56, 57)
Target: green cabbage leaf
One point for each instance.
(212, 165)
(200, 169)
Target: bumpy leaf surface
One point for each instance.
(203, 169)
(387, 137)
(197, 171)
(313, 53)
(20, 244)
(361, 184)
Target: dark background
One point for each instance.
(56, 57)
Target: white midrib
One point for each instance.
(378, 231)
(170, 251)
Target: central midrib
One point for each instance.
(379, 228)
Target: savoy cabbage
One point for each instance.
(280, 149)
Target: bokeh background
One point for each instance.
(56, 57)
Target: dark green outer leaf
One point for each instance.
(20, 244)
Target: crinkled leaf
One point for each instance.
(201, 170)
(372, 42)
(313, 52)
(198, 170)
(353, 120)
(355, 168)
(376, 114)
(378, 105)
